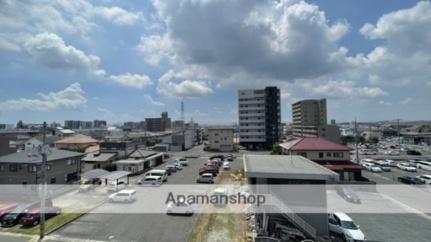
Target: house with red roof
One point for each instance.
(331, 155)
(76, 143)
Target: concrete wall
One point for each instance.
(220, 139)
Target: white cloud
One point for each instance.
(72, 97)
(132, 80)
(186, 88)
(117, 15)
(50, 50)
(150, 100)
(155, 48)
(265, 40)
(403, 59)
(384, 103)
(406, 101)
(342, 89)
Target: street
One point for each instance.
(144, 227)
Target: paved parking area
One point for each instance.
(143, 227)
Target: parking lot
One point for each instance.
(143, 227)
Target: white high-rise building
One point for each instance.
(259, 117)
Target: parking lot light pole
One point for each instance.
(43, 152)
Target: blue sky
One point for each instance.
(127, 60)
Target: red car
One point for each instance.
(6, 207)
(209, 169)
(32, 218)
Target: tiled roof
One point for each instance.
(33, 157)
(77, 139)
(313, 143)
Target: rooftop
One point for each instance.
(34, 157)
(140, 153)
(285, 167)
(77, 139)
(99, 157)
(312, 144)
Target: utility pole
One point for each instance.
(356, 142)
(43, 185)
(398, 131)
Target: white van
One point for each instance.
(151, 181)
(114, 186)
(158, 172)
(123, 196)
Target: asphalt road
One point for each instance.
(144, 227)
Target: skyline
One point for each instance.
(125, 61)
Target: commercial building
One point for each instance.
(24, 167)
(140, 161)
(259, 117)
(158, 124)
(309, 119)
(267, 172)
(12, 140)
(220, 139)
(78, 124)
(328, 154)
(99, 124)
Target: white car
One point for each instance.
(158, 172)
(123, 196)
(151, 181)
(184, 162)
(406, 167)
(392, 152)
(391, 163)
(372, 167)
(177, 165)
(342, 224)
(226, 165)
(179, 208)
(205, 178)
(425, 178)
(116, 186)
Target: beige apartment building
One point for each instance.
(220, 139)
(309, 119)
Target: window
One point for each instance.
(1, 167)
(320, 154)
(338, 154)
(13, 167)
(53, 180)
(328, 154)
(71, 162)
(32, 168)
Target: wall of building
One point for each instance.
(321, 155)
(220, 139)
(25, 173)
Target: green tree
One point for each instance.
(276, 149)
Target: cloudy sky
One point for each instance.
(127, 60)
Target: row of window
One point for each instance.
(31, 168)
(328, 154)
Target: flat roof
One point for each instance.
(285, 167)
(96, 173)
(114, 175)
(99, 157)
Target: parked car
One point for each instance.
(392, 152)
(32, 218)
(179, 208)
(385, 168)
(372, 167)
(123, 196)
(221, 157)
(410, 180)
(209, 169)
(85, 187)
(13, 217)
(177, 165)
(341, 223)
(413, 152)
(158, 172)
(6, 207)
(151, 181)
(171, 168)
(226, 165)
(114, 186)
(406, 167)
(425, 178)
(220, 192)
(184, 162)
(348, 194)
(205, 178)
(391, 163)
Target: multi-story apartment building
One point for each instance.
(158, 124)
(220, 139)
(259, 117)
(309, 119)
(99, 123)
(78, 124)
